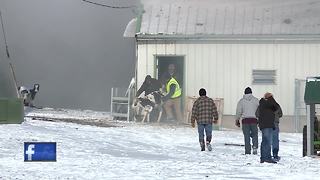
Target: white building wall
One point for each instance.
(225, 69)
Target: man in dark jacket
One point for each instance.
(266, 115)
(275, 134)
(149, 85)
(204, 111)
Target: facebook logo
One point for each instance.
(40, 151)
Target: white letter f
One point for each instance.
(30, 151)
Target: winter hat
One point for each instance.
(248, 90)
(202, 92)
(148, 77)
(267, 95)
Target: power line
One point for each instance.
(108, 6)
(4, 36)
(8, 55)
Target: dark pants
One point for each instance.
(266, 144)
(275, 141)
(250, 131)
(208, 129)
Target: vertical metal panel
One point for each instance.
(234, 75)
(191, 70)
(150, 61)
(199, 62)
(202, 52)
(170, 48)
(226, 69)
(214, 69)
(219, 69)
(289, 82)
(161, 49)
(227, 63)
(164, 22)
(209, 67)
(141, 64)
(182, 50)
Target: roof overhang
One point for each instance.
(291, 37)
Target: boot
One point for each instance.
(202, 146)
(254, 150)
(268, 161)
(209, 146)
(276, 158)
(208, 140)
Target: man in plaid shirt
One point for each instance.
(204, 111)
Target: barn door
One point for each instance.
(162, 64)
(161, 70)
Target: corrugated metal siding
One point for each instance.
(220, 17)
(226, 69)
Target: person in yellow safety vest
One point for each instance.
(173, 100)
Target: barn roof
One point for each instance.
(190, 18)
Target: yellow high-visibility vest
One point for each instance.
(177, 91)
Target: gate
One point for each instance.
(299, 105)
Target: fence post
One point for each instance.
(296, 104)
(310, 129)
(111, 108)
(129, 97)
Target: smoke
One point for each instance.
(73, 49)
(7, 88)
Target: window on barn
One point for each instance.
(263, 77)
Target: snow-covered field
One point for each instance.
(142, 151)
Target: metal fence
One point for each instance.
(121, 99)
(188, 109)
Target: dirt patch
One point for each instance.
(91, 122)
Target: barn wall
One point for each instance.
(225, 68)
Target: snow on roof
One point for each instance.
(230, 17)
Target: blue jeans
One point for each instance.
(250, 131)
(266, 144)
(275, 142)
(208, 129)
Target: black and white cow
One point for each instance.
(144, 106)
(28, 94)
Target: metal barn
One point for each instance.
(226, 46)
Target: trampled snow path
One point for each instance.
(144, 152)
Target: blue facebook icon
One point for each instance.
(40, 151)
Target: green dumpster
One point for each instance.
(312, 91)
(311, 98)
(11, 111)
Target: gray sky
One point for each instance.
(74, 50)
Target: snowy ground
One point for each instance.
(136, 151)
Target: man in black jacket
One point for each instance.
(266, 115)
(275, 134)
(149, 85)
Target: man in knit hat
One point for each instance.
(275, 132)
(204, 112)
(246, 109)
(266, 115)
